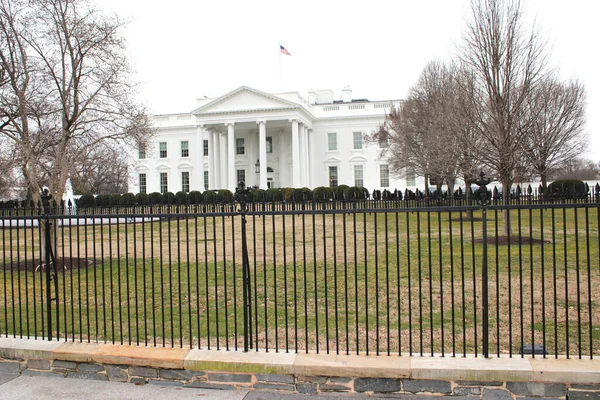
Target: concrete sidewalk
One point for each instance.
(16, 387)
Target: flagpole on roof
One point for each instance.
(279, 50)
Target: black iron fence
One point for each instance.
(338, 277)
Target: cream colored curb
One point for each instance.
(356, 366)
(470, 368)
(27, 349)
(238, 361)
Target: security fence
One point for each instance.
(352, 276)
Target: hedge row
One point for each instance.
(557, 189)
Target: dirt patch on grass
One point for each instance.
(504, 240)
(67, 263)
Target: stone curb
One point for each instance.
(470, 368)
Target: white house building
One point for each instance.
(267, 140)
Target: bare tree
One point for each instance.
(506, 61)
(553, 124)
(101, 169)
(66, 82)
(575, 168)
(423, 133)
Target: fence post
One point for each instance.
(49, 259)
(242, 192)
(482, 182)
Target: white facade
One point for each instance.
(268, 140)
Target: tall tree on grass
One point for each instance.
(65, 82)
(506, 61)
(553, 125)
(422, 134)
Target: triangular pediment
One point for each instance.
(244, 99)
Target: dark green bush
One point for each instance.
(86, 200)
(567, 188)
(340, 190)
(302, 194)
(323, 193)
(209, 196)
(259, 195)
(181, 197)
(274, 194)
(224, 196)
(128, 199)
(195, 197)
(141, 199)
(155, 198)
(168, 198)
(355, 193)
(103, 200)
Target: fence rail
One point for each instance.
(355, 277)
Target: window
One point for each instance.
(241, 175)
(358, 176)
(384, 175)
(185, 148)
(163, 149)
(357, 140)
(205, 146)
(205, 180)
(410, 177)
(332, 141)
(269, 144)
(142, 183)
(164, 183)
(383, 141)
(239, 146)
(141, 153)
(333, 176)
(185, 181)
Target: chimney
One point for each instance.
(347, 94)
(312, 96)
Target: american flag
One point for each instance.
(284, 50)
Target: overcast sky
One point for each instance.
(184, 49)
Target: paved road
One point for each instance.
(16, 387)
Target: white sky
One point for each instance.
(187, 49)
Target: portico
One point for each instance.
(249, 148)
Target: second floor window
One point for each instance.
(205, 146)
(239, 146)
(141, 153)
(185, 148)
(357, 140)
(332, 141)
(162, 148)
(269, 144)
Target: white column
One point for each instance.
(262, 153)
(213, 160)
(231, 174)
(301, 134)
(309, 151)
(200, 147)
(295, 155)
(222, 161)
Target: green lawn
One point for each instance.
(340, 282)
